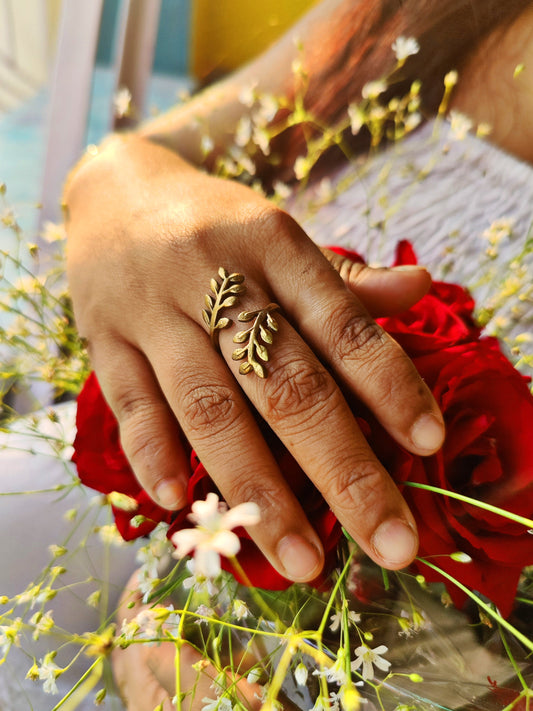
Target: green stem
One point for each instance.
(475, 502)
(487, 608)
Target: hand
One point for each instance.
(145, 674)
(147, 232)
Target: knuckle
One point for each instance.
(245, 488)
(299, 388)
(355, 337)
(355, 487)
(209, 408)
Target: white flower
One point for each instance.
(223, 704)
(240, 609)
(357, 118)
(213, 535)
(205, 612)
(253, 675)
(460, 125)
(198, 582)
(300, 674)
(336, 619)
(367, 657)
(404, 47)
(53, 232)
(373, 89)
(48, 672)
(122, 102)
(243, 132)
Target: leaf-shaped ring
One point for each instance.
(224, 295)
(255, 338)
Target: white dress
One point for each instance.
(467, 185)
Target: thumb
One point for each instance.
(383, 291)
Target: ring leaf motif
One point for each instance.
(254, 350)
(225, 294)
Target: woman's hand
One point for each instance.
(147, 233)
(145, 674)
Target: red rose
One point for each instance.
(102, 465)
(487, 455)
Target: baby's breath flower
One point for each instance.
(281, 190)
(300, 674)
(43, 624)
(93, 600)
(213, 535)
(240, 609)
(268, 107)
(10, 635)
(367, 658)
(372, 89)
(357, 118)
(204, 611)
(53, 232)
(48, 672)
(243, 132)
(247, 95)
(110, 535)
(197, 581)
(122, 106)
(261, 139)
(301, 168)
(450, 80)
(122, 501)
(253, 675)
(57, 551)
(206, 145)
(404, 47)
(222, 704)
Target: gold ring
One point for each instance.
(224, 295)
(264, 325)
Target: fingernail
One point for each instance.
(299, 557)
(169, 494)
(395, 542)
(427, 433)
(409, 268)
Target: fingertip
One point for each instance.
(428, 433)
(395, 543)
(302, 560)
(170, 494)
